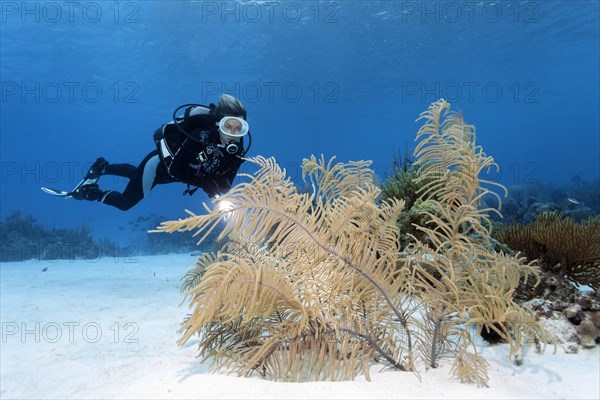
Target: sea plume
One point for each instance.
(317, 285)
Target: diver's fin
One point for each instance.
(65, 194)
(56, 192)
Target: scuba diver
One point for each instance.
(202, 148)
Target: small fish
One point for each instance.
(572, 200)
(45, 269)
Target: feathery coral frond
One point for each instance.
(462, 279)
(316, 285)
(330, 254)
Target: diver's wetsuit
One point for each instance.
(203, 163)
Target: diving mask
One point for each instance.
(231, 130)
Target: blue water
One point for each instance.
(345, 78)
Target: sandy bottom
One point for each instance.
(108, 329)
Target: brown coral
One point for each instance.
(560, 244)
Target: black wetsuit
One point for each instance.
(203, 162)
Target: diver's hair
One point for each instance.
(229, 105)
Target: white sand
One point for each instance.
(107, 329)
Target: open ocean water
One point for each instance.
(340, 78)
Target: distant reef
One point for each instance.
(23, 238)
